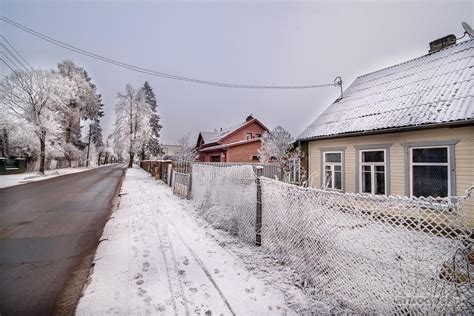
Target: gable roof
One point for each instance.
(436, 88)
(217, 136)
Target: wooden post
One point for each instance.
(258, 222)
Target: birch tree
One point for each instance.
(132, 121)
(34, 100)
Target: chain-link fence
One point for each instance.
(365, 253)
(372, 253)
(225, 197)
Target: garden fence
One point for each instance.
(368, 254)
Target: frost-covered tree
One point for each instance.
(153, 144)
(277, 146)
(36, 101)
(186, 152)
(132, 121)
(86, 104)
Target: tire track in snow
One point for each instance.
(203, 267)
(162, 250)
(174, 261)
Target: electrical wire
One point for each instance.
(24, 68)
(16, 51)
(153, 72)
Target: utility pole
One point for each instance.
(89, 145)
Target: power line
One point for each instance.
(11, 62)
(13, 70)
(153, 72)
(14, 57)
(16, 51)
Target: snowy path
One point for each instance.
(155, 258)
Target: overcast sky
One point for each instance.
(254, 42)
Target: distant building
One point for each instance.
(403, 130)
(170, 150)
(238, 143)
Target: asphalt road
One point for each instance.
(46, 230)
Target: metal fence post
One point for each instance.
(258, 222)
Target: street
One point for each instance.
(47, 228)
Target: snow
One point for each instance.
(22, 178)
(435, 88)
(157, 256)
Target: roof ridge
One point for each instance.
(416, 58)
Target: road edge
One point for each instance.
(55, 176)
(72, 292)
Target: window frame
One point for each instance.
(372, 170)
(450, 143)
(446, 164)
(332, 164)
(358, 169)
(247, 136)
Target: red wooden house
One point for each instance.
(234, 144)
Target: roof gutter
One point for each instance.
(392, 130)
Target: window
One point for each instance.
(430, 172)
(294, 173)
(248, 136)
(258, 135)
(215, 158)
(332, 168)
(372, 171)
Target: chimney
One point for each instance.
(249, 118)
(441, 43)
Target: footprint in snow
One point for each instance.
(216, 271)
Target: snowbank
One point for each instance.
(17, 179)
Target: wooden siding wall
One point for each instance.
(464, 155)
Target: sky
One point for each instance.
(243, 42)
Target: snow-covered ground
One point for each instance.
(16, 179)
(156, 256)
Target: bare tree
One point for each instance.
(187, 152)
(35, 100)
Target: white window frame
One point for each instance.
(332, 164)
(447, 164)
(372, 170)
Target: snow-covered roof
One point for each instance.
(212, 137)
(436, 88)
(216, 136)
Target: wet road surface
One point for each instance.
(46, 229)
